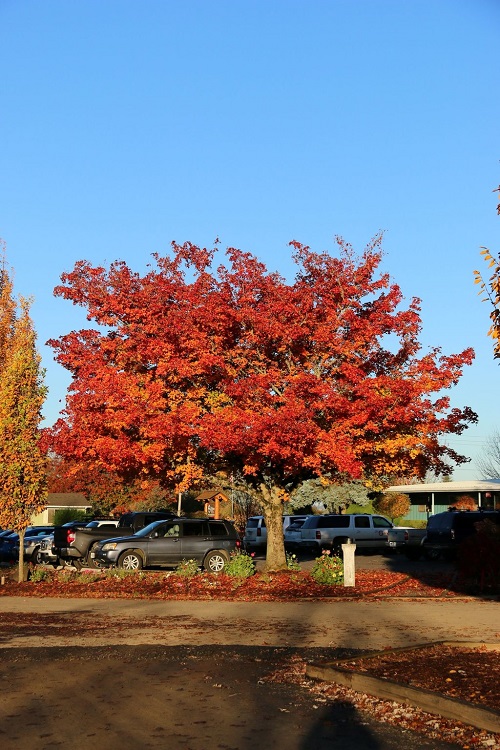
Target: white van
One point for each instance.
(256, 533)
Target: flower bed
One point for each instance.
(287, 585)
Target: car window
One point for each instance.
(217, 529)
(254, 523)
(334, 522)
(191, 528)
(170, 529)
(379, 522)
(147, 530)
(440, 521)
(362, 522)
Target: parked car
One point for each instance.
(445, 531)
(47, 554)
(293, 535)
(32, 543)
(331, 530)
(98, 523)
(407, 540)
(168, 543)
(75, 546)
(9, 544)
(255, 537)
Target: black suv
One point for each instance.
(445, 531)
(168, 543)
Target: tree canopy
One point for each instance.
(489, 290)
(192, 368)
(22, 394)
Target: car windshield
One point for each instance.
(146, 531)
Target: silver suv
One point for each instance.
(256, 532)
(330, 531)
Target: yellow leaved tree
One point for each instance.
(22, 394)
(489, 290)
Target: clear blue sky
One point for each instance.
(126, 124)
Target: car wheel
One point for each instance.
(215, 562)
(72, 562)
(131, 561)
(35, 557)
(91, 561)
(432, 554)
(336, 547)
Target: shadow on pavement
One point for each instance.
(185, 698)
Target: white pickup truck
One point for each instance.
(407, 540)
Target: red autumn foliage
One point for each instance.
(191, 370)
(464, 502)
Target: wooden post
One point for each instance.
(348, 551)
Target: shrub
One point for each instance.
(39, 574)
(64, 515)
(240, 565)
(291, 562)
(187, 568)
(328, 569)
(393, 504)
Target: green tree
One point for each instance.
(331, 498)
(22, 393)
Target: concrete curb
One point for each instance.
(433, 703)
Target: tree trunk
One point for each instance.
(272, 507)
(22, 574)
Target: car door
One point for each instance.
(163, 546)
(381, 528)
(363, 532)
(195, 540)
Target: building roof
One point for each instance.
(478, 485)
(67, 500)
(209, 494)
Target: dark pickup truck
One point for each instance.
(74, 546)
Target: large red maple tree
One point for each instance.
(192, 368)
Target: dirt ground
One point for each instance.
(180, 698)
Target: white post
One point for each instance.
(348, 551)
(179, 504)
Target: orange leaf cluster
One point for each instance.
(190, 368)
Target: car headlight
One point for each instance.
(108, 546)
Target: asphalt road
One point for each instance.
(180, 675)
(182, 698)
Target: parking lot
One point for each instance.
(374, 561)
